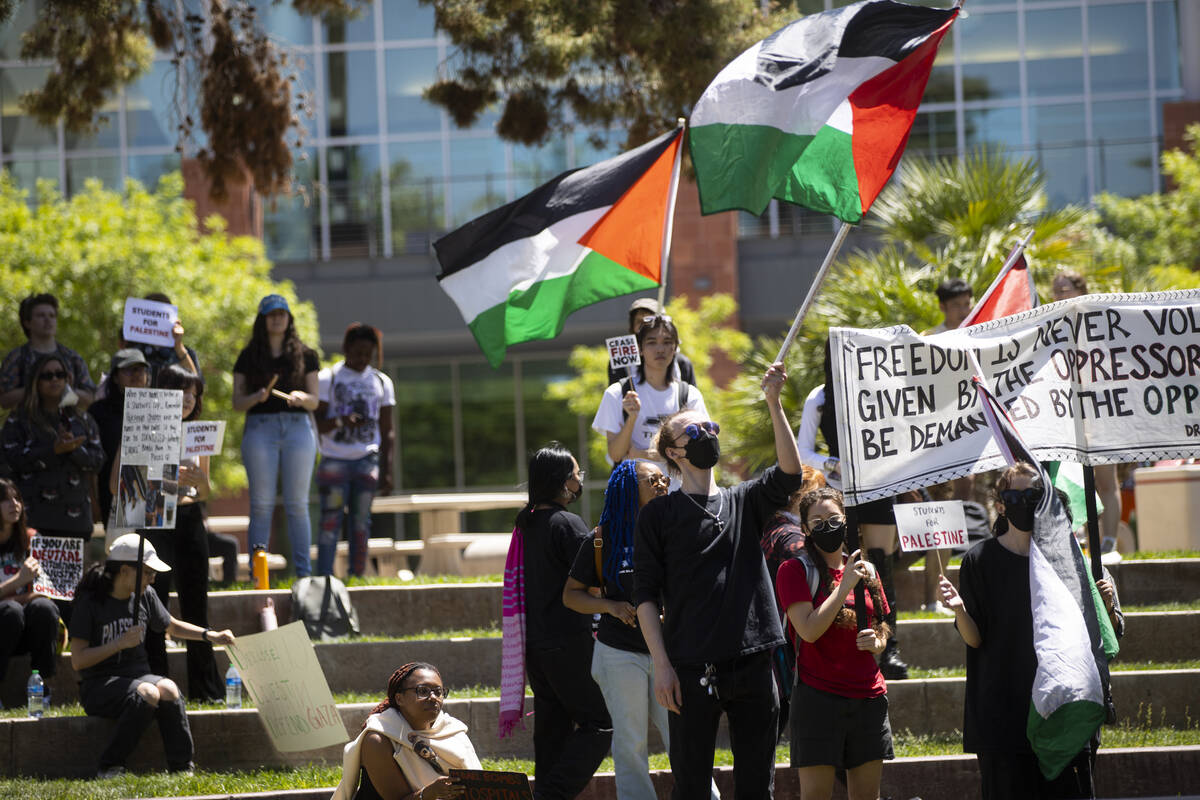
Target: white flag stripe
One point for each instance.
(734, 98)
(1066, 670)
(549, 254)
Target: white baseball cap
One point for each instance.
(125, 548)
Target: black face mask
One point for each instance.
(829, 535)
(704, 451)
(1020, 515)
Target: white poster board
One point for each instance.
(931, 526)
(150, 444)
(623, 352)
(279, 669)
(1098, 379)
(149, 322)
(202, 438)
(60, 565)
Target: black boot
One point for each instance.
(890, 663)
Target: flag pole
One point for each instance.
(812, 290)
(1093, 521)
(669, 222)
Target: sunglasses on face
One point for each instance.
(693, 430)
(53, 375)
(424, 692)
(829, 525)
(657, 480)
(1016, 497)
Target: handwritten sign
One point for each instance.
(150, 444)
(931, 526)
(149, 322)
(60, 565)
(481, 784)
(1097, 379)
(623, 352)
(202, 438)
(279, 669)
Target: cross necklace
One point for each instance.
(716, 518)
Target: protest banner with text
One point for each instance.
(203, 438)
(479, 784)
(931, 526)
(149, 322)
(280, 671)
(1098, 379)
(149, 476)
(60, 565)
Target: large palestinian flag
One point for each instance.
(817, 113)
(517, 272)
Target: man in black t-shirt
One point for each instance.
(697, 553)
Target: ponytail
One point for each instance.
(99, 578)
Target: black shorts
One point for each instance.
(877, 512)
(843, 732)
(106, 696)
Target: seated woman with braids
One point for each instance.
(408, 744)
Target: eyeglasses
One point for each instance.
(1016, 497)
(424, 692)
(693, 430)
(55, 375)
(829, 525)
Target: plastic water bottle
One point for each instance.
(233, 688)
(35, 690)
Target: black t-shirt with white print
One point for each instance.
(101, 620)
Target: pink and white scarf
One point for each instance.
(512, 664)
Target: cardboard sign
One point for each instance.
(280, 671)
(60, 565)
(149, 321)
(1098, 379)
(481, 784)
(150, 443)
(623, 352)
(202, 438)
(931, 526)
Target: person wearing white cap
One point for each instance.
(107, 633)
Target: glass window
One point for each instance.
(106, 136)
(424, 427)
(533, 166)
(152, 118)
(305, 84)
(409, 72)
(291, 224)
(1166, 47)
(993, 127)
(1054, 52)
(148, 169)
(489, 425)
(989, 56)
(107, 169)
(417, 194)
(1059, 134)
(940, 88)
(20, 132)
(477, 179)
(1124, 149)
(351, 108)
(355, 224)
(1117, 48)
(933, 134)
(26, 174)
(344, 30)
(407, 19)
(593, 146)
(284, 23)
(10, 33)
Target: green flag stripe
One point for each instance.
(539, 311)
(1057, 739)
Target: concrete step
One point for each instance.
(236, 739)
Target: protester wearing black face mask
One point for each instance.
(839, 715)
(696, 552)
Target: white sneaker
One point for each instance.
(110, 772)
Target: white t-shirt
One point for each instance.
(349, 392)
(656, 406)
(806, 437)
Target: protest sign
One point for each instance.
(1097, 379)
(150, 443)
(481, 784)
(279, 669)
(623, 352)
(149, 321)
(931, 526)
(202, 438)
(60, 565)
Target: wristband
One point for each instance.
(204, 634)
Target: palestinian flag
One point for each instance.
(1072, 634)
(518, 272)
(817, 113)
(1010, 293)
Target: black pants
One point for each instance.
(31, 628)
(117, 698)
(746, 694)
(1016, 776)
(185, 549)
(571, 727)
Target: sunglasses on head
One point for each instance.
(693, 430)
(1015, 497)
(53, 375)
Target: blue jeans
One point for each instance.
(346, 484)
(280, 448)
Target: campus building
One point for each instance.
(1094, 89)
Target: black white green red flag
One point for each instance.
(819, 112)
(517, 272)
